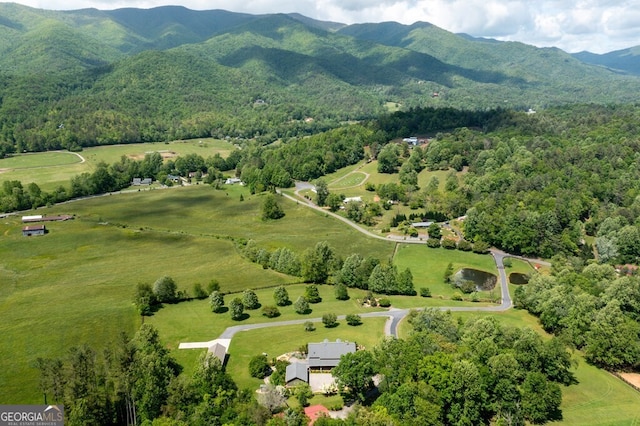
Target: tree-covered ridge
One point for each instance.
(88, 77)
(537, 184)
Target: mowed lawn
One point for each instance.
(75, 284)
(428, 266)
(52, 169)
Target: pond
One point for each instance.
(518, 278)
(484, 281)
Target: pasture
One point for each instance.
(75, 284)
(52, 169)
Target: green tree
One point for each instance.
(236, 308)
(405, 283)
(434, 231)
(330, 320)
(281, 296)
(341, 292)
(216, 300)
(165, 289)
(322, 192)
(199, 292)
(301, 305)
(317, 263)
(334, 201)
(250, 299)
(303, 393)
(270, 311)
(383, 279)
(312, 294)
(448, 273)
(388, 159)
(259, 367)
(144, 299)
(270, 208)
(354, 374)
(540, 398)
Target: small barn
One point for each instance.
(219, 351)
(28, 231)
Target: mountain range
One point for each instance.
(83, 77)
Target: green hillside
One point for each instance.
(88, 77)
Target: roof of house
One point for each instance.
(33, 228)
(219, 351)
(315, 411)
(297, 370)
(421, 224)
(327, 354)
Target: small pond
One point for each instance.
(518, 278)
(484, 281)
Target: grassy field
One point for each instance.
(52, 169)
(280, 340)
(428, 266)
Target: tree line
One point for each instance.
(321, 264)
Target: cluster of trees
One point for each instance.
(590, 307)
(321, 264)
(445, 373)
(136, 381)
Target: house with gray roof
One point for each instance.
(297, 373)
(326, 355)
(321, 357)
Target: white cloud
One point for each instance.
(572, 25)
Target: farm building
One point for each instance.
(41, 218)
(28, 231)
(140, 181)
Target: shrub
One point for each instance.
(480, 247)
(308, 326)
(384, 303)
(425, 292)
(270, 311)
(199, 292)
(353, 319)
(464, 245)
(330, 320)
(467, 286)
(433, 243)
(456, 296)
(448, 244)
(507, 262)
(259, 367)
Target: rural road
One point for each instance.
(394, 315)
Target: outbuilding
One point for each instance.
(28, 231)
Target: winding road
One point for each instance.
(394, 315)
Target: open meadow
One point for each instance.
(52, 169)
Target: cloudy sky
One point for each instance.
(573, 25)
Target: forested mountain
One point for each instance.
(88, 77)
(625, 60)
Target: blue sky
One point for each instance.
(598, 26)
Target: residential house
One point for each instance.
(321, 357)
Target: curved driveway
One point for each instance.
(394, 315)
